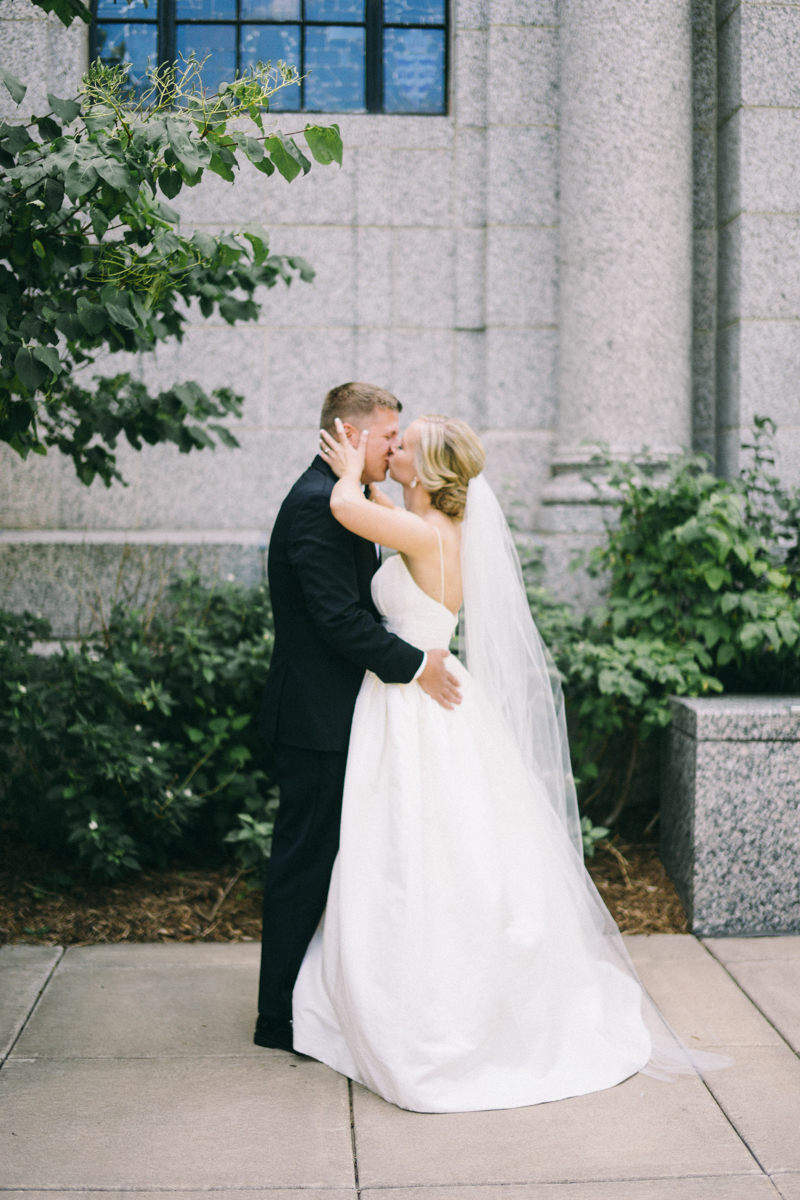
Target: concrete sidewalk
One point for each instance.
(131, 1068)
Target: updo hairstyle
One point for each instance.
(448, 455)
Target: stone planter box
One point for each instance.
(730, 813)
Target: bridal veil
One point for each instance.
(506, 656)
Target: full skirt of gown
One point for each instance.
(461, 963)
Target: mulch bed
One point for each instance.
(44, 902)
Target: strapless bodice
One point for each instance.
(408, 611)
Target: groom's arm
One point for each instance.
(322, 554)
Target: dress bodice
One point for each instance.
(408, 611)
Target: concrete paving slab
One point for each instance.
(743, 1187)
(163, 954)
(774, 987)
(788, 1185)
(663, 947)
(640, 1129)
(754, 949)
(703, 1004)
(250, 1194)
(760, 1095)
(145, 1004)
(24, 970)
(139, 1124)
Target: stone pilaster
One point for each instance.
(625, 309)
(758, 344)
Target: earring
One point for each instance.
(414, 482)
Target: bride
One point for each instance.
(465, 960)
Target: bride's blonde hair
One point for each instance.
(448, 455)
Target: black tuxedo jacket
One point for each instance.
(327, 629)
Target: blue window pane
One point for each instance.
(414, 12)
(218, 41)
(128, 9)
(413, 70)
(335, 10)
(271, 10)
(335, 68)
(211, 10)
(268, 43)
(134, 44)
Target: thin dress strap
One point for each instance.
(441, 561)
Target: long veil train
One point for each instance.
(505, 654)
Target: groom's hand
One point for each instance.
(439, 684)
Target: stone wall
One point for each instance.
(759, 225)
(435, 249)
(565, 257)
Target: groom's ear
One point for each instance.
(351, 433)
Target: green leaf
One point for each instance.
(38, 248)
(15, 86)
(307, 272)
(715, 577)
(49, 356)
(53, 194)
(324, 143)
(115, 174)
(67, 10)
(205, 243)
(286, 156)
(93, 317)
(30, 370)
(193, 155)
(225, 436)
(221, 168)
(170, 183)
(264, 165)
(100, 221)
(65, 110)
(121, 315)
(789, 629)
(80, 178)
(48, 130)
(751, 635)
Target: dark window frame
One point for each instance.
(167, 22)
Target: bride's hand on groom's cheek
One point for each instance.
(437, 682)
(341, 455)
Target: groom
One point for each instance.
(327, 634)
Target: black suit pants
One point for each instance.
(304, 846)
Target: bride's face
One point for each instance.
(401, 463)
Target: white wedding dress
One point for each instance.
(465, 960)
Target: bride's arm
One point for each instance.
(390, 526)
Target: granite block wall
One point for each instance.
(599, 242)
(435, 248)
(730, 813)
(759, 220)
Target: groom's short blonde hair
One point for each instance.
(350, 400)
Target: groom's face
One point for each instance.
(384, 430)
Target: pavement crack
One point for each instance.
(10, 1048)
(353, 1135)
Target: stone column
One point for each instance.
(625, 317)
(758, 348)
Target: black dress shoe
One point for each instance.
(273, 1033)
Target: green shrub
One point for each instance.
(140, 741)
(703, 595)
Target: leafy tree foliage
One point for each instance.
(91, 258)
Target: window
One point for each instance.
(357, 55)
